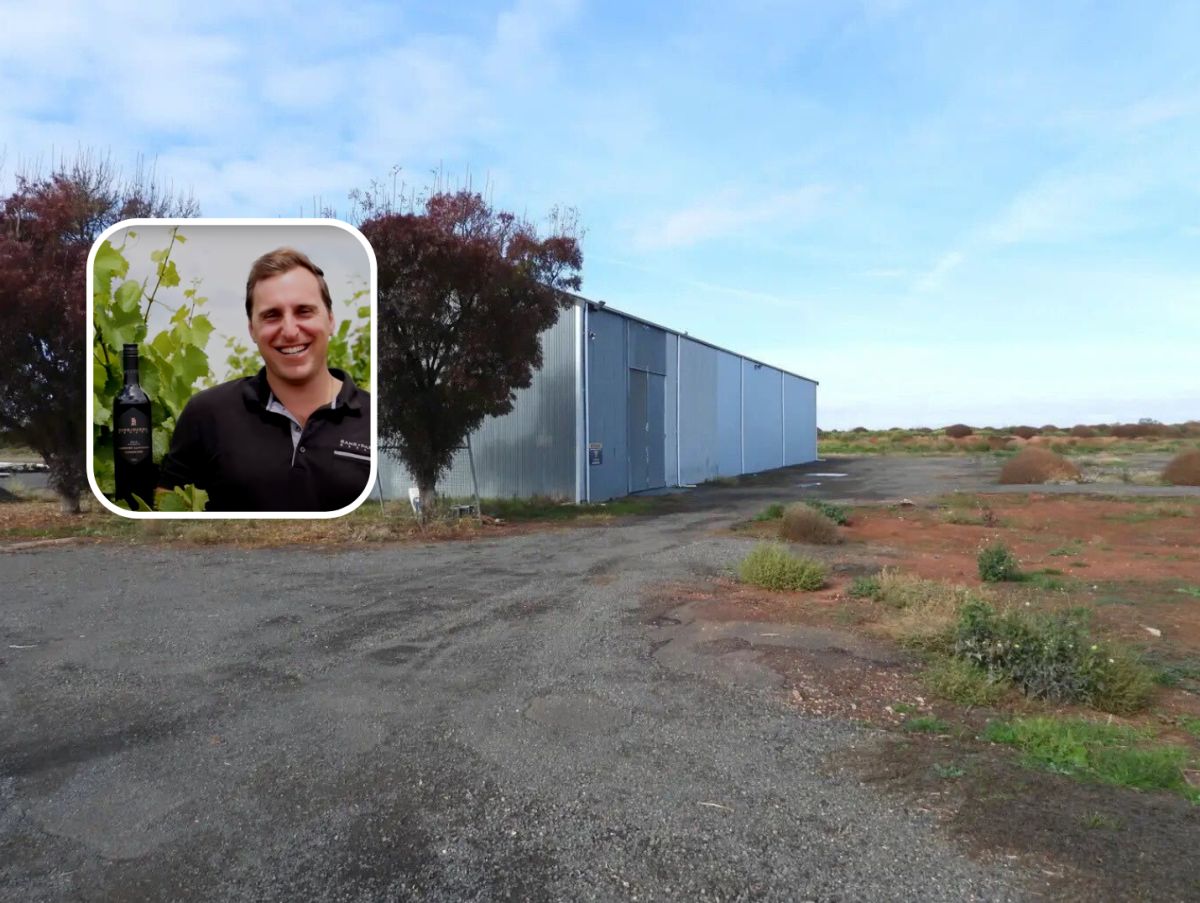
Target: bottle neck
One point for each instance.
(131, 372)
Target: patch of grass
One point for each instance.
(772, 566)
(904, 708)
(949, 770)
(773, 511)
(1063, 551)
(997, 563)
(1088, 750)
(927, 724)
(836, 513)
(1100, 821)
(963, 682)
(1191, 725)
(1193, 591)
(866, 588)
(1080, 564)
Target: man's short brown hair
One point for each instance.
(278, 262)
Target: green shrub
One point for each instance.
(997, 563)
(773, 511)
(772, 566)
(964, 682)
(1087, 750)
(866, 588)
(1051, 656)
(836, 513)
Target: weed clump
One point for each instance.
(866, 588)
(772, 566)
(1037, 465)
(1184, 469)
(959, 431)
(997, 564)
(773, 511)
(836, 513)
(1051, 657)
(802, 523)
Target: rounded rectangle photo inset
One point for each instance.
(232, 369)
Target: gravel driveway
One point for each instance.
(460, 721)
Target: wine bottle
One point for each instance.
(132, 447)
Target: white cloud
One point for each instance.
(946, 264)
(731, 215)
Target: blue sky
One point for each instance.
(943, 211)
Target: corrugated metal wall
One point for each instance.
(608, 394)
(701, 413)
(529, 451)
(800, 419)
(763, 398)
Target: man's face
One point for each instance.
(291, 325)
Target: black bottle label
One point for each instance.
(133, 436)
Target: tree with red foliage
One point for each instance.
(47, 226)
(465, 291)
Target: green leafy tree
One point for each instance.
(465, 292)
(173, 365)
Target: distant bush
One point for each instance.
(996, 443)
(860, 429)
(997, 564)
(1024, 432)
(1049, 428)
(1184, 469)
(802, 523)
(772, 566)
(1037, 465)
(836, 513)
(1051, 656)
(959, 431)
(1083, 432)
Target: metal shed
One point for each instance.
(622, 405)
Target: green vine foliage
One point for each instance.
(173, 365)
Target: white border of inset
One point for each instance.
(203, 221)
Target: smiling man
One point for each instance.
(297, 435)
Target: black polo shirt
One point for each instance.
(227, 443)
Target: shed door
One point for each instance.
(647, 430)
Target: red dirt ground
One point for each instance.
(1157, 549)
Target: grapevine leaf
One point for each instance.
(161, 442)
(163, 345)
(108, 263)
(157, 256)
(128, 296)
(179, 238)
(180, 314)
(344, 329)
(172, 501)
(141, 506)
(201, 330)
(102, 465)
(192, 365)
(168, 275)
(364, 312)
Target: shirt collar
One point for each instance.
(257, 390)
